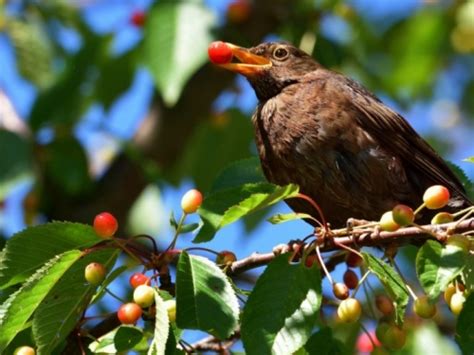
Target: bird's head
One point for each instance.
(269, 67)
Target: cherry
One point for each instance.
(129, 313)
(392, 336)
(354, 260)
(225, 257)
(449, 292)
(350, 279)
(459, 241)
(349, 310)
(403, 215)
(105, 225)
(219, 53)
(384, 305)
(24, 350)
(423, 308)
(169, 255)
(238, 11)
(387, 223)
(456, 303)
(144, 296)
(138, 279)
(94, 273)
(340, 290)
(442, 217)
(436, 196)
(364, 342)
(171, 309)
(138, 18)
(191, 201)
(310, 260)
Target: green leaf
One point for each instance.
(392, 283)
(324, 343)
(110, 278)
(44, 242)
(19, 307)
(67, 166)
(282, 309)
(205, 299)
(244, 171)
(175, 44)
(469, 160)
(187, 228)
(126, 337)
(437, 266)
(162, 328)
(60, 311)
(15, 161)
(227, 206)
(286, 217)
(465, 326)
(427, 339)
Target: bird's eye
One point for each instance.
(280, 53)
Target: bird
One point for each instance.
(348, 151)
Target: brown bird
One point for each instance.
(349, 152)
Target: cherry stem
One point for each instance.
(323, 265)
(423, 205)
(459, 213)
(469, 212)
(150, 238)
(316, 206)
(202, 249)
(361, 281)
(114, 295)
(126, 250)
(177, 232)
(348, 248)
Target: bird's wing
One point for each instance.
(398, 137)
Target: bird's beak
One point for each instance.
(250, 64)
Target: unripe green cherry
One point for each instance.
(144, 296)
(94, 273)
(442, 217)
(171, 309)
(387, 222)
(436, 197)
(349, 310)
(394, 338)
(191, 201)
(403, 215)
(423, 308)
(24, 350)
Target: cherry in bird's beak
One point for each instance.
(250, 64)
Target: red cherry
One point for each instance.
(219, 52)
(311, 259)
(354, 260)
(138, 18)
(138, 279)
(350, 279)
(384, 305)
(436, 196)
(105, 225)
(364, 342)
(129, 313)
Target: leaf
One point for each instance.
(227, 206)
(127, 337)
(437, 266)
(282, 309)
(15, 161)
(110, 278)
(175, 44)
(392, 283)
(324, 343)
(244, 171)
(44, 242)
(427, 339)
(67, 166)
(469, 160)
(60, 311)
(19, 307)
(205, 299)
(187, 228)
(162, 327)
(286, 217)
(465, 326)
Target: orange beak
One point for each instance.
(250, 64)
